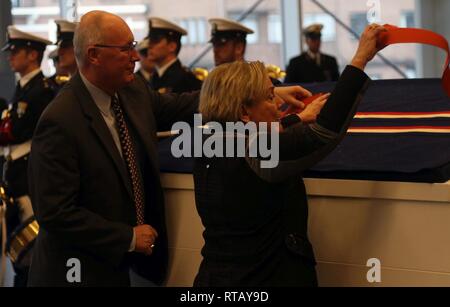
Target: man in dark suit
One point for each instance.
(32, 95)
(164, 46)
(94, 175)
(312, 65)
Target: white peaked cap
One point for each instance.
(66, 26)
(222, 24)
(164, 24)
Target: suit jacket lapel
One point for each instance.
(100, 129)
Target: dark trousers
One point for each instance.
(15, 179)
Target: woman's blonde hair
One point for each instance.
(231, 86)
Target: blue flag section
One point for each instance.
(401, 132)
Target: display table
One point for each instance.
(404, 225)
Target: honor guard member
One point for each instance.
(32, 95)
(66, 65)
(66, 54)
(147, 65)
(312, 65)
(229, 40)
(61, 76)
(164, 46)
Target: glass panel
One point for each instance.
(358, 22)
(37, 17)
(192, 15)
(192, 29)
(275, 29)
(355, 15)
(407, 19)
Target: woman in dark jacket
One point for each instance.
(256, 218)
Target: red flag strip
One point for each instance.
(395, 35)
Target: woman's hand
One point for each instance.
(368, 46)
(309, 114)
(292, 95)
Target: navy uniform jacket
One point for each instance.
(256, 219)
(303, 69)
(176, 79)
(27, 106)
(81, 191)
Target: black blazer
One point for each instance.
(81, 192)
(303, 69)
(176, 79)
(256, 219)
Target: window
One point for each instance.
(23, 3)
(274, 29)
(37, 17)
(202, 31)
(358, 22)
(250, 22)
(328, 22)
(411, 73)
(375, 76)
(407, 20)
(196, 28)
(355, 15)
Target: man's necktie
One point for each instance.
(129, 155)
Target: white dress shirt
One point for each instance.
(25, 79)
(315, 56)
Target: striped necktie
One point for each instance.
(129, 155)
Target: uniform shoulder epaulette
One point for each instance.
(200, 73)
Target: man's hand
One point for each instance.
(292, 95)
(145, 239)
(368, 46)
(309, 114)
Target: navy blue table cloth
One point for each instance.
(401, 133)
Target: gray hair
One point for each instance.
(87, 34)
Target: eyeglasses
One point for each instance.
(124, 48)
